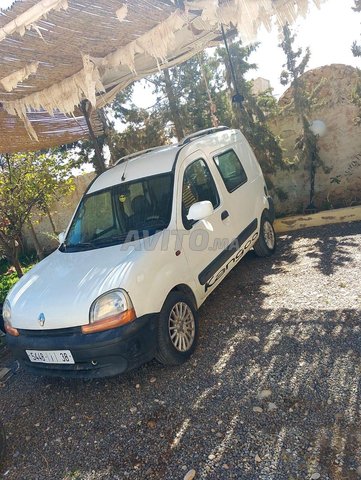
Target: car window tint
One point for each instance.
(146, 203)
(98, 216)
(198, 185)
(231, 170)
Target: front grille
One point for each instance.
(57, 332)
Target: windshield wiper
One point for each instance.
(80, 245)
(109, 240)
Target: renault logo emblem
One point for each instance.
(41, 319)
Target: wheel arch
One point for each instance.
(183, 288)
(268, 212)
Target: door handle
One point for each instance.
(224, 215)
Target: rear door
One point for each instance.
(235, 170)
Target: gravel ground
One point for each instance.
(272, 392)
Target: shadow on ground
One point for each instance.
(157, 423)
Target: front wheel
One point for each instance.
(266, 243)
(177, 330)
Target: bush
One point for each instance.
(7, 280)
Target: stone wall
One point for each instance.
(340, 148)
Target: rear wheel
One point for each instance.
(177, 330)
(266, 243)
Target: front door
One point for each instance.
(203, 240)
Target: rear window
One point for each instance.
(231, 170)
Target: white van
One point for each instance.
(150, 240)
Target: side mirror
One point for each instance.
(200, 210)
(61, 237)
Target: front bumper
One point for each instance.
(96, 355)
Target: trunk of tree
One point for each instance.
(51, 220)
(98, 159)
(10, 249)
(16, 264)
(212, 105)
(39, 250)
(109, 132)
(173, 105)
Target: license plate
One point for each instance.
(50, 356)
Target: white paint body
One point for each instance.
(64, 285)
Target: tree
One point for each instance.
(301, 103)
(84, 150)
(27, 181)
(145, 130)
(174, 107)
(251, 116)
(356, 48)
(188, 98)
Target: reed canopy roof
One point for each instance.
(56, 53)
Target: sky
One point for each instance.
(328, 31)
(6, 3)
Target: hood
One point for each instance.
(64, 285)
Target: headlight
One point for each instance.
(110, 310)
(7, 320)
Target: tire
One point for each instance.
(177, 330)
(266, 243)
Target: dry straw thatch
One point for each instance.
(55, 53)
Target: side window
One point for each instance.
(198, 185)
(231, 170)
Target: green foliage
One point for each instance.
(268, 103)
(252, 116)
(123, 107)
(356, 48)
(28, 181)
(295, 67)
(7, 281)
(356, 98)
(302, 101)
(83, 151)
(146, 130)
(193, 96)
(336, 179)
(188, 98)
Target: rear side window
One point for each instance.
(198, 185)
(231, 170)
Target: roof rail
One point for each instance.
(201, 133)
(138, 154)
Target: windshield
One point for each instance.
(121, 214)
